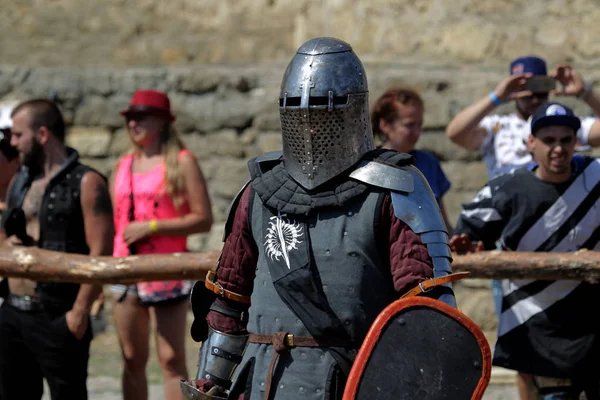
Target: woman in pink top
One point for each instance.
(159, 197)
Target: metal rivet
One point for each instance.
(345, 233)
(50, 206)
(420, 207)
(318, 390)
(281, 386)
(68, 176)
(303, 355)
(477, 364)
(301, 389)
(349, 213)
(353, 254)
(327, 252)
(276, 319)
(52, 195)
(50, 219)
(347, 322)
(262, 384)
(401, 321)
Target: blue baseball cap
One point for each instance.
(551, 114)
(532, 65)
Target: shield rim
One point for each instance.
(360, 362)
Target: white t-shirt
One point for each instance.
(505, 145)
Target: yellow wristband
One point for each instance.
(153, 226)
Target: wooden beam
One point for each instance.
(38, 264)
(580, 265)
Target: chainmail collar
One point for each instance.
(280, 192)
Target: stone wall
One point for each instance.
(152, 32)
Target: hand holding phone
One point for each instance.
(540, 84)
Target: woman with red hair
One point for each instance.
(397, 119)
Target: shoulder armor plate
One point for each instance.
(384, 175)
(418, 208)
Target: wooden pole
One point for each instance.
(580, 265)
(38, 264)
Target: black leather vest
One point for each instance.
(61, 222)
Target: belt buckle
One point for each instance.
(288, 340)
(423, 290)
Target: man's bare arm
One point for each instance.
(99, 230)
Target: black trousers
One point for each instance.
(37, 345)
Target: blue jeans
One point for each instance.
(497, 295)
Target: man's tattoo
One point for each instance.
(102, 203)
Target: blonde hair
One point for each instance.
(171, 146)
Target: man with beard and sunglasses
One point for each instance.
(54, 203)
(547, 206)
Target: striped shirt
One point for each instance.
(542, 329)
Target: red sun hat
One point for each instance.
(149, 101)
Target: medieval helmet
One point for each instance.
(324, 112)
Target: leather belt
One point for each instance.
(214, 286)
(24, 303)
(429, 284)
(283, 341)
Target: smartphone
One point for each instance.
(540, 84)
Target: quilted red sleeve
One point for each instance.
(237, 266)
(409, 261)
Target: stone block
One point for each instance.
(59, 83)
(225, 142)
(101, 111)
(230, 175)
(453, 201)
(105, 166)
(196, 242)
(120, 143)
(11, 78)
(215, 238)
(194, 113)
(464, 176)
(198, 80)
(89, 141)
(438, 143)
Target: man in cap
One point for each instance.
(318, 243)
(548, 206)
(501, 139)
(59, 204)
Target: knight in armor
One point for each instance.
(325, 235)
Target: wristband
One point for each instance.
(153, 226)
(495, 99)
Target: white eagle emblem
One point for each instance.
(281, 238)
